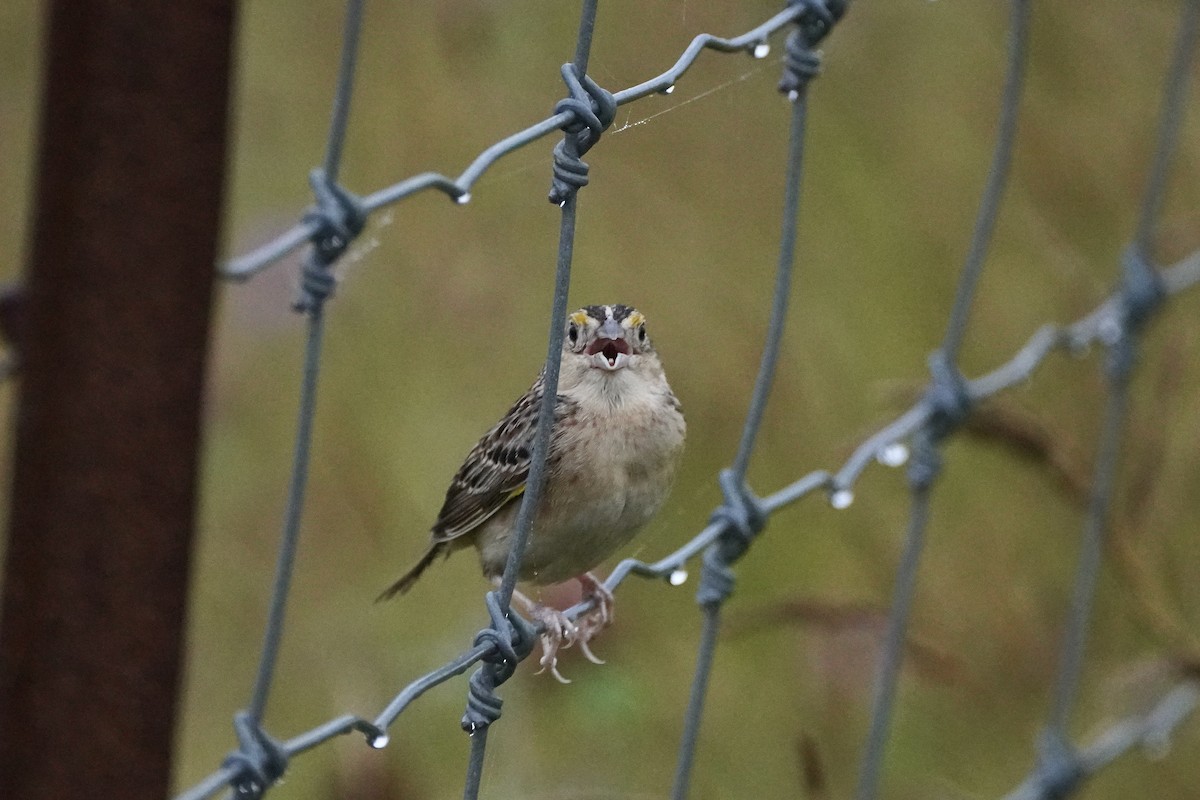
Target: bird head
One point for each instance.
(606, 338)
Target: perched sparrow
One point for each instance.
(618, 432)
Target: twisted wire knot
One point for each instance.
(1142, 288)
(1059, 769)
(949, 404)
(742, 512)
(1142, 293)
(570, 174)
(743, 516)
(317, 283)
(926, 463)
(947, 397)
(483, 704)
(511, 639)
(339, 217)
(259, 760)
(593, 110)
(801, 63)
(817, 17)
(716, 578)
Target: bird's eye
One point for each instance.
(573, 333)
(642, 334)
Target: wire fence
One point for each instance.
(915, 437)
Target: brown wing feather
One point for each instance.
(494, 473)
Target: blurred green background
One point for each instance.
(682, 220)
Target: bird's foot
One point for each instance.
(599, 617)
(559, 632)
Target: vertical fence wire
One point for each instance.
(1088, 569)
(541, 445)
(291, 525)
(478, 752)
(1170, 121)
(997, 180)
(710, 627)
(308, 389)
(344, 91)
(742, 512)
(782, 292)
(950, 405)
(711, 619)
(892, 648)
(1060, 768)
(1075, 633)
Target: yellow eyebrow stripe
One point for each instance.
(636, 319)
(579, 318)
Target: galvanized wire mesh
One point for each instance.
(338, 216)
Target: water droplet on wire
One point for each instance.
(463, 198)
(893, 455)
(678, 577)
(669, 89)
(379, 742)
(841, 499)
(761, 50)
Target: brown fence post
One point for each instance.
(112, 349)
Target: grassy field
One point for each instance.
(440, 322)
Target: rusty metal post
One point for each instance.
(114, 324)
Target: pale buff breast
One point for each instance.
(614, 463)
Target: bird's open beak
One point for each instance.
(609, 350)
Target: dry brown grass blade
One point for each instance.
(927, 661)
(812, 769)
(1148, 443)
(1006, 424)
(361, 774)
(1153, 602)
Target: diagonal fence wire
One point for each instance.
(338, 216)
(753, 42)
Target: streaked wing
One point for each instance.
(495, 471)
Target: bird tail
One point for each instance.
(409, 578)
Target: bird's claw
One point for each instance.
(549, 661)
(587, 652)
(559, 632)
(599, 617)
